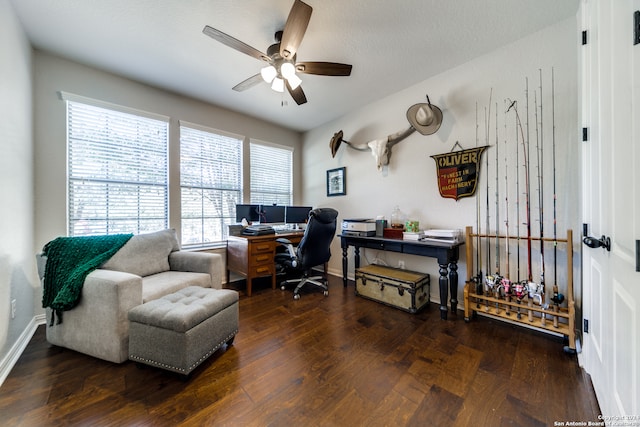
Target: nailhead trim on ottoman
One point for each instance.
(179, 331)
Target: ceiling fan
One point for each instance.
(281, 56)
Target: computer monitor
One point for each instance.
(272, 214)
(297, 214)
(249, 212)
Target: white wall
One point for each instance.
(410, 179)
(54, 74)
(17, 267)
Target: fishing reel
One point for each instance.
(505, 285)
(492, 284)
(557, 299)
(536, 290)
(519, 290)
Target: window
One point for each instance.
(210, 183)
(271, 174)
(117, 169)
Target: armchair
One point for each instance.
(146, 268)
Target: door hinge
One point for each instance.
(585, 327)
(584, 37)
(636, 27)
(585, 134)
(637, 255)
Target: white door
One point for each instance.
(611, 203)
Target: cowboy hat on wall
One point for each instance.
(425, 118)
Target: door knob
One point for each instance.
(602, 242)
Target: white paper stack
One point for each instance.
(411, 235)
(440, 235)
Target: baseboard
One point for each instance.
(9, 361)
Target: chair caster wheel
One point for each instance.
(326, 293)
(296, 296)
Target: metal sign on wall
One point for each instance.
(458, 172)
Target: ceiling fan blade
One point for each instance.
(295, 28)
(234, 43)
(248, 83)
(297, 94)
(324, 68)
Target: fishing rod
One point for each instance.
(538, 289)
(517, 196)
(497, 278)
(489, 280)
(518, 284)
(497, 201)
(526, 149)
(478, 278)
(519, 287)
(487, 277)
(506, 283)
(557, 298)
(541, 183)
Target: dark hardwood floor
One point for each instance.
(320, 361)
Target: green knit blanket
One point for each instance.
(69, 262)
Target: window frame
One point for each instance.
(261, 200)
(225, 220)
(71, 219)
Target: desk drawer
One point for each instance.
(262, 270)
(262, 248)
(262, 258)
(383, 245)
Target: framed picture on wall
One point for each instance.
(336, 182)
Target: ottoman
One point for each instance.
(179, 331)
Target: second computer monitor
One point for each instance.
(272, 214)
(297, 214)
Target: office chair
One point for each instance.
(313, 250)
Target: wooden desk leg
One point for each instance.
(345, 265)
(453, 286)
(249, 282)
(443, 282)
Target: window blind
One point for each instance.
(210, 182)
(117, 171)
(271, 174)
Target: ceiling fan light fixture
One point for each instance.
(278, 84)
(268, 73)
(294, 81)
(288, 70)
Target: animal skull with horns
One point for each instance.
(425, 118)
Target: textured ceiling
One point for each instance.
(391, 44)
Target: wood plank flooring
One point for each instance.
(339, 360)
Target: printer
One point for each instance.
(363, 227)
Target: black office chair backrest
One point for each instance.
(314, 248)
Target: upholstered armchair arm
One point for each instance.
(98, 325)
(198, 262)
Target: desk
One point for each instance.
(446, 254)
(253, 256)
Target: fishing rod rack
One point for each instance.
(554, 319)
